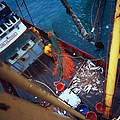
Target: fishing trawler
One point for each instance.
(74, 75)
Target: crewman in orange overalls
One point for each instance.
(48, 50)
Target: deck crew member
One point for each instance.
(36, 32)
(48, 50)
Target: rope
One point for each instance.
(102, 18)
(118, 76)
(91, 13)
(98, 22)
(97, 13)
(93, 25)
(65, 3)
(77, 21)
(97, 28)
(46, 86)
(109, 34)
(28, 12)
(19, 9)
(83, 57)
(101, 22)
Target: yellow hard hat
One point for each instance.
(49, 45)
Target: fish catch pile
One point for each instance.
(89, 79)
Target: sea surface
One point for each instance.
(47, 14)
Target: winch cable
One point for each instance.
(97, 14)
(108, 46)
(19, 9)
(109, 35)
(92, 13)
(98, 44)
(100, 24)
(102, 18)
(28, 12)
(118, 76)
(97, 31)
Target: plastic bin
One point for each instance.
(91, 115)
(83, 109)
(60, 87)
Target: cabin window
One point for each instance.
(8, 23)
(0, 31)
(3, 27)
(2, 36)
(13, 19)
(26, 46)
(14, 56)
(11, 29)
(16, 16)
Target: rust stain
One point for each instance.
(4, 107)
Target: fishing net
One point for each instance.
(64, 64)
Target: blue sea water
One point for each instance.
(51, 13)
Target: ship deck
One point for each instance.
(42, 69)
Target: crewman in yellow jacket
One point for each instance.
(48, 50)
